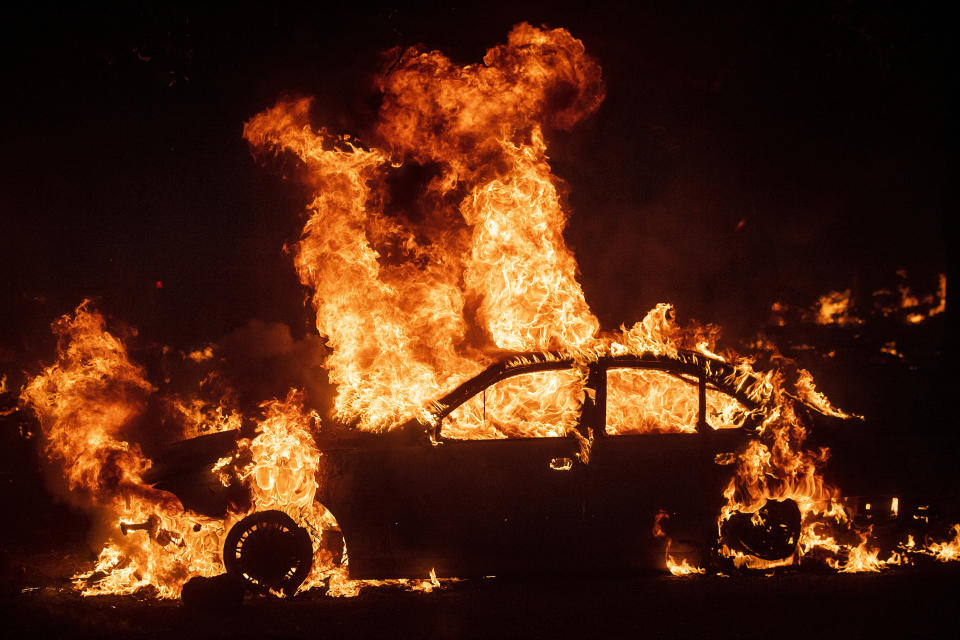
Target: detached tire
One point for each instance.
(268, 551)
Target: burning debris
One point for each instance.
(846, 309)
(413, 302)
(836, 307)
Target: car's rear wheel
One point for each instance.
(772, 533)
(269, 552)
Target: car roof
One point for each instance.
(727, 378)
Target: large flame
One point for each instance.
(91, 404)
(88, 402)
(396, 295)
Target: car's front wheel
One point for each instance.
(268, 551)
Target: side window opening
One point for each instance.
(540, 404)
(724, 411)
(650, 401)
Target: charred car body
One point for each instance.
(540, 463)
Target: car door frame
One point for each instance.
(646, 551)
(553, 474)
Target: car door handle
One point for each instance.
(561, 464)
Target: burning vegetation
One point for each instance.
(415, 298)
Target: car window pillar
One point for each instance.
(598, 413)
(702, 425)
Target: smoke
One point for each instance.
(262, 360)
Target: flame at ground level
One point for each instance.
(89, 402)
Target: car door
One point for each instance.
(651, 455)
(506, 494)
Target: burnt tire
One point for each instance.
(268, 551)
(772, 533)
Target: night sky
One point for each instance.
(745, 153)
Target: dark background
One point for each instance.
(746, 153)
(824, 126)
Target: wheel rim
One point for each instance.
(269, 552)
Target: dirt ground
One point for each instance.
(917, 601)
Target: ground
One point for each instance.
(917, 601)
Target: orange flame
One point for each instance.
(948, 550)
(87, 403)
(836, 307)
(396, 305)
(682, 568)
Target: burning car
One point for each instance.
(541, 463)
(585, 448)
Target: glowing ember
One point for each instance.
(836, 308)
(914, 307)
